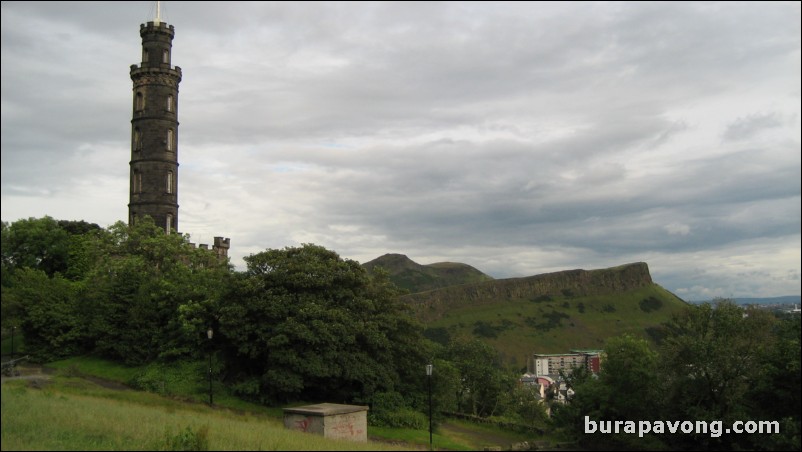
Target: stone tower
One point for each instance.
(154, 129)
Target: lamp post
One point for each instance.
(209, 334)
(429, 378)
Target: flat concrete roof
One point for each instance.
(325, 409)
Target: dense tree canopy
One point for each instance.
(119, 292)
(484, 381)
(304, 321)
(141, 282)
(717, 362)
(716, 358)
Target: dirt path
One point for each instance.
(39, 376)
(34, 374)
(479, 439)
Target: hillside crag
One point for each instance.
(569, 283)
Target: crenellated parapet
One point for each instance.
(220, 247)
(157, 31)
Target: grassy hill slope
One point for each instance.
(415, 277)
(549, 313)
(83, 405)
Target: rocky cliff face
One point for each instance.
(569, 283)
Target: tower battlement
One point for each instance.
(220, 246)
(153, 27)
(220, 242)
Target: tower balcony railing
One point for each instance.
(146, 69)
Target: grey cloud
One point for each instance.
(746, 127)
(516, 137)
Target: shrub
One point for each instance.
(187, 439)
(650, 304)
(390, 410)
(402, 418)
(180, 377)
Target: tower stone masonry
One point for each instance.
(154, 130)
(154, 134)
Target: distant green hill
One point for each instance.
(415, 277)
(549, 313)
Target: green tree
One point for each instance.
(47, 314)
(713, 356)
(41, 243)
(630, 374)
(304, 321)
(626, 389)
(524, 406)
(446, 386)
(33, 250)
(484, 382)
(776, 396)
(144, 292)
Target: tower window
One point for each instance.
(137, 139)
(169, 182)
(137, 182)
(170, 139)
(139, 101)
(169, 223)
(144, 55)
(170, 103)
(165, 57)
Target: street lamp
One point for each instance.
(429, 378)
(209, 334)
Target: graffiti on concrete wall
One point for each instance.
(345, 425)
(303, 424)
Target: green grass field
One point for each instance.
(70, 411)
(62, 419)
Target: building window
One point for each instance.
(170, 103)
(137, 182)
(169, 182)
(170, 139)
(169, 223)
(137, 139)
(144, 55)
(139, 102)
(165, 56)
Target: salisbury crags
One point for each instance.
(446, 284)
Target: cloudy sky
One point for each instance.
(519, 138)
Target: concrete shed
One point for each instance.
(330, 420)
